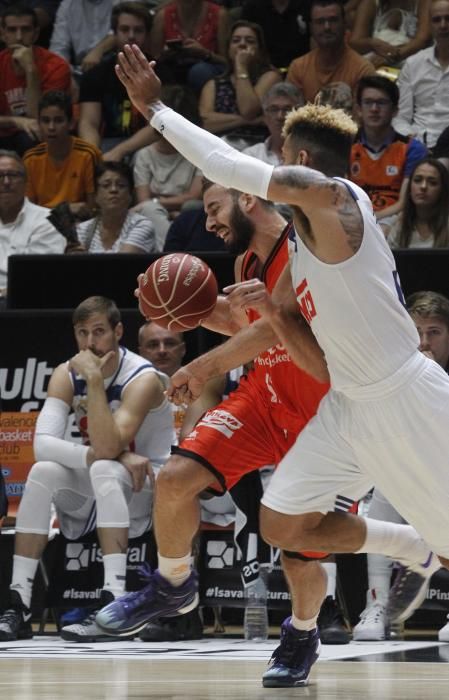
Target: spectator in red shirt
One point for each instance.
(26, 73)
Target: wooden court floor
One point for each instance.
(54, 670)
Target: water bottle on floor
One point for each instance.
(256, 613)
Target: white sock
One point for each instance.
(379, 577)
(400, 542)
(304, 625)
(23, 573)
(330, 568)
(176, 571)
(114, 573)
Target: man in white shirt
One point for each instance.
(79, 28)
(24, 228)
(276, 103)
(424, 83)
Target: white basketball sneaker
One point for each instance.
(373, 625)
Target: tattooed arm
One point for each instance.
(333, 219)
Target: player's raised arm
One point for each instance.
(225, 165)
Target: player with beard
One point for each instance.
(254, 427)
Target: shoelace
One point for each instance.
(290, 650)
(373, 614)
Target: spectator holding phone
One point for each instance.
(188, 40)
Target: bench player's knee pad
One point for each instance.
(35, 506)
(112, 486)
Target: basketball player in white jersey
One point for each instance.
(118, 400)
(384, 420)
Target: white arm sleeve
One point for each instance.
(48, 437)
(219, 162)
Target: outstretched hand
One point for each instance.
(137, 75)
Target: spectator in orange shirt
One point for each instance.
(26, 73)
(332, 62)
(62, 167)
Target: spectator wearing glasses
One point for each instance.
(276, 103)
(381, 158)
(24, 228)
(424, 83)
(115, 229)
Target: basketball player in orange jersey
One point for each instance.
(254, 427)
(384, 420)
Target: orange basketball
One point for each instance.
(178, 291)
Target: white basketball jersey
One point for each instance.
(356, 308)
(156, 434)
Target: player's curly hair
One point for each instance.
(325, 132)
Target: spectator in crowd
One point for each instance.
(165, 349)
(26, 73)
(424, 83)
(45, 12)
(285, 25)
(165, 181)
(332, 61)
(118, 400)
(424, 221)
(382, 159)
(62, 167)
(276, 103)
(231, 106)
(188, 39)
(188, 233)
(430, 311)
(389, 31)
(79, 32)
(115, 229)
(107, 118)
(24, 229)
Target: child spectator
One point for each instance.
(62, 167)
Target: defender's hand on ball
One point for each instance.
(137, 75)
(251, 294)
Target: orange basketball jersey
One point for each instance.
(292, 394)
(381, 177)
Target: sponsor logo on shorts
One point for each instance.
(223, 421)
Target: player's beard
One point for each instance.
(242, 231)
